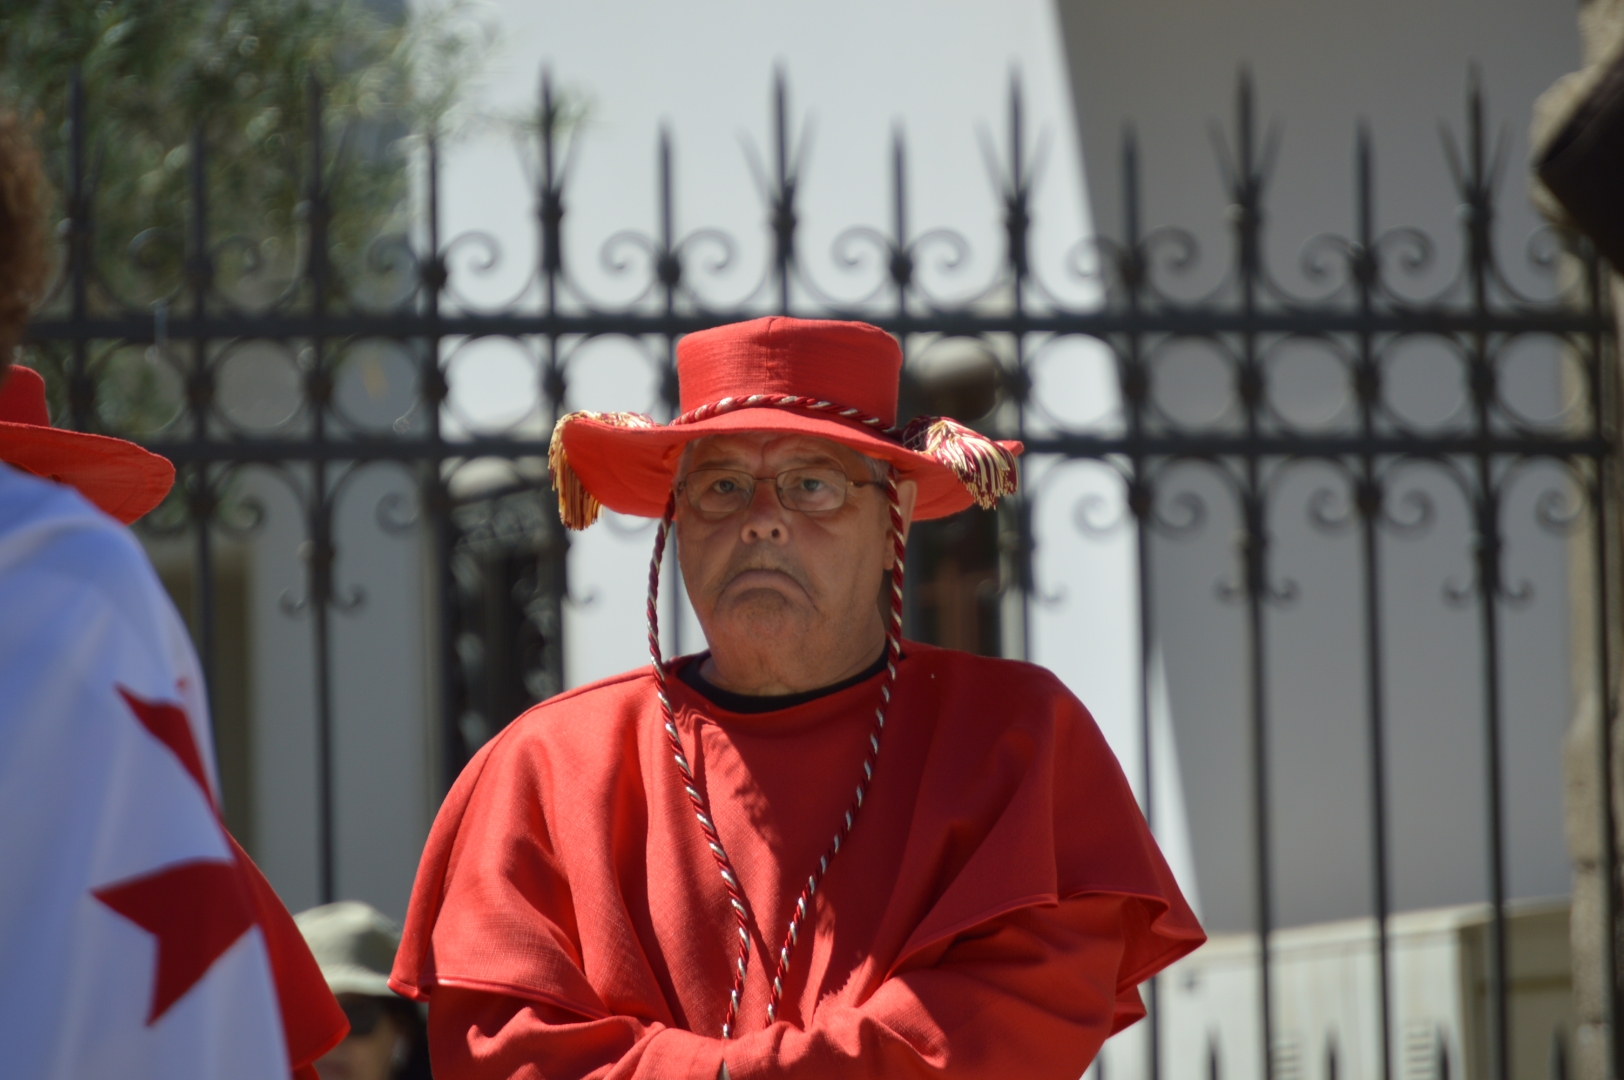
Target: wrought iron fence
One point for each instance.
(498, 558)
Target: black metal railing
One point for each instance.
(498, 558)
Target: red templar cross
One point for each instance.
(197, 908)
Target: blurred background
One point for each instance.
(1317, 509)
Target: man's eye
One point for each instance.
(811, 485)
(725, 486)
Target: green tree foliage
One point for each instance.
(237, 73)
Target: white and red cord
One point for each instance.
(730, 879)
(785, 401)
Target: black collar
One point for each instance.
(763, 703)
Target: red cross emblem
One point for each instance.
(197, 908)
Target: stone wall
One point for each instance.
(1601, 24)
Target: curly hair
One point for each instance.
(25, 259)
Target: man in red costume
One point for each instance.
(814, 850)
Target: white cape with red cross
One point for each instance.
(126, 948)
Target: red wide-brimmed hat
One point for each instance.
(118, 476)
(832, 380)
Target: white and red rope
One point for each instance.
(785, 401)
(730, 879)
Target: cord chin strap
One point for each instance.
(696, 798)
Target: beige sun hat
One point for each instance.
(354, 943)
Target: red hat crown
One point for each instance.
(854, 364)
(22, 398)
(832, 380)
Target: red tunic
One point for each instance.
(992, 914)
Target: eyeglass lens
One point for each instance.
(719, 492)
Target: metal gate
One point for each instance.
(497, 558)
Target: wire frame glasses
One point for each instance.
(814, 489)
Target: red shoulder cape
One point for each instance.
(565, 866)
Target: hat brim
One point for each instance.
(630, 470)
(118, 476)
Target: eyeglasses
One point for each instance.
(816, 489)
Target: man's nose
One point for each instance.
(764, 518)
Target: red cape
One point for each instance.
(565, 868)
(312, 1022)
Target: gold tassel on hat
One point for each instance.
(984, 467)
(577, 507)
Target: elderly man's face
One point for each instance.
(780, 589)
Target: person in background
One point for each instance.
(137, 938)
(355, 945)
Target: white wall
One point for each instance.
(380, 717)
(1169, 67)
